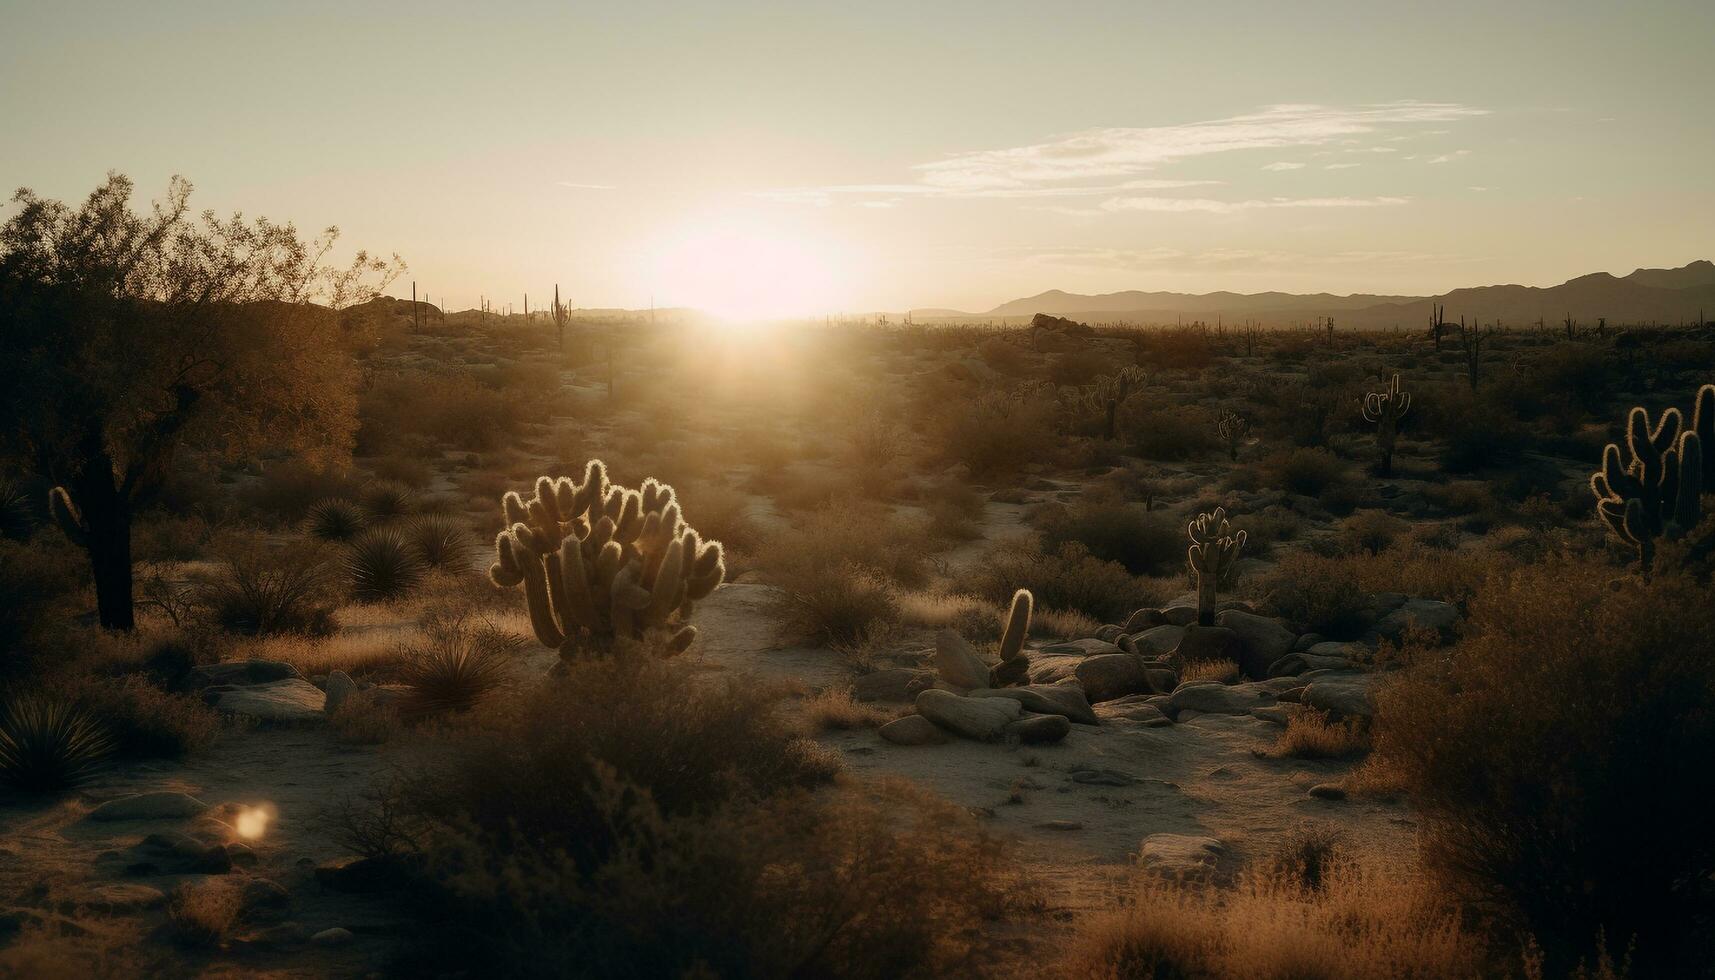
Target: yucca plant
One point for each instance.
(382, 566)
(48, 745)
(388, 500)
(455, 665)
(16, 521)
(335, 520)
(442, 542)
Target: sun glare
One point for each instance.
(747, 270)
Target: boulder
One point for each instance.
(1159, 639)
(1047, 699)
(1142, 620)
(121, 897)
(979, 718)
(1306, 641)
(177, 854)
(361, 875)
(339, 687)
(1274, 714)
(1181, 856)
(1264, 639)
(892, 684)
(1294, 664)
(286, 701)
(1053, 668)
(1336, 648)
(1039, 729)
(1112, 675)
(1347, 695)
(149, 806)
(1133, 709)
(912, 730)
(243, 672)
(1180, 615)
(332, 937)
(1418, 615)
(1109, 633)
(1213, 698)
(1199, 644)
(958, 662)
(1088, 647)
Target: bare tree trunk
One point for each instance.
(106, 534)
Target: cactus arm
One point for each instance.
(1017, 624)
(67, 515)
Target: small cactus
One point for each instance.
(602, 563)
(1214, 556)
(1233, 430)
(1656, 493)
(1014, 666)
(67, 516)
(1385, 408)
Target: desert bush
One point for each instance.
(1309, 472)
(441, 541)
(833, 710)
(335, 520)
(262, 590)
(844, 604)
(866, 535)
(17, 516)
(1310, 735)
(39, 581)
(202, 913)
(1145, 544)
(143, 720)
(49, 744)
(1369, 531)
(998, 434)
(455, 662)
(1080, 367)
(287, 488)
(1219, 671)
(722, 514)
(382, 566)
(1068, 577)
(1325, 594)
(1560, 724)
(452, 408)
(363, 719)
(170, 537)
(1161, 431)
(386, 500)
(1004, 356)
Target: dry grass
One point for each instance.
(362, 720)
(833, 710)
(204, 912)
(1310, 735)
(1219, 671)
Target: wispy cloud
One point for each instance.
(1341, 166)
(1178, 204)
(1449, 157)
(1283, 165)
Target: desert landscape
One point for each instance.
(347, 630)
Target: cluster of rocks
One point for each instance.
(277, 692)
(1133, 672)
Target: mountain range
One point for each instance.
(1645, 296)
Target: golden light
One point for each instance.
(252, 822)
(745, 268)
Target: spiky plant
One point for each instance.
(49, 745)
(388, 500)
(1014, 666)
(601, 563)
(382, 565)
(455, 666)
(1233, 430)
(1703, 425)
(1385, 408)
(334, 519)
(1104, 397)
(1655, 493)
(442, 541)
(1214, 557)
(16, 521)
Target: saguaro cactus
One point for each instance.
(1014, 666)
(1385, 408)
(1110, 391)
(1655, 494)
(602, 563)
(1232, 429)
(1703, 424)
(1214, 556)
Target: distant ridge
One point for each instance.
(1659, 295)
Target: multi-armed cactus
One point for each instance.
(1110, 392)
(602, 563)
(1014, 666)
(1385, 408)
(1233, 429)
(1703, 424)
(1214, 558)
(1655, 495)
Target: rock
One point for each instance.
(262, 893)
(1418, 615)
(1046, 699)
(339, 687)
(1127, 709)
(1347, 695)
(1112, 675)
(958, 663)
(1109, 633)
(241, 854)
(1294, 664)
(274, 937)
(1162, 680)
(1200, 644)
(149, 806)
(1189, 714)
(120, 897)
(1180, 615)
(979, 718)
(1142, 620)
(912, 730)
(1328, 791)
(177, 854)
(892, 684)
(1335, 648)
(1265, 640)
(1054, 668)
(1274, 714)
(1306, 641)
(1089, 647)
(1039, 729)
(332, 937)
(1159, 639)
(360, 875)
(1208, 696)
(285, 701)
(1181, 856)
(241, 673)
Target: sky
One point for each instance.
(764, 159)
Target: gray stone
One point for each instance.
(1419, 615)
(1207, 696)
(1088, 647)
(339, 687)
(1046, 699)
(262, 893)
(1336, 648)
(1127, 709)
(1180, 615)
(1143, 619)
(1347, 695)
(1181, 856)
(1158, 639)
(285, 701)
(1265, 640)
(1200, 644)
(120, 897)
(1112, 675)
(177, 854)
(243, 672)
(1306, 641)
(149, 806)
(1294, 664)
(958, 662)
(912, 730)
(332, 937)
(891, 684)
(979, 718)
(1054, 668)
(1109, 633)
(1039, 729)
(1274, 714)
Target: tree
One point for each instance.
(125, 336)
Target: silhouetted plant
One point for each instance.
(16, 521)
(455, 665)
(1213, 556)
(1233, 431)
(442, 541)
(1655, 494)
(382, 566)
(335, 520)
(386, 500)
(1385, 408)
(48, 745)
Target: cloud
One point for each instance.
(1181, 204)
(584, 187)
(1341, 166)
(1283, 165)
(1449, 157)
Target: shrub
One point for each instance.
(1004, 356)
(382, 566)
(270, 590)
(386, 500)
(865, 535)
(1167, 432)
(17, 517)
(833, 710)
(37, 579)
(998, 434)
(1219, 671)
(1324, 594)
(1565, 721)
(49, 744)
(442, 542)
(1143, 543)
(335, 520)
(287, 488)
(1307, 472)
(143, 720)
(455, 664)
(842, 605)
(1310, 735)
(202, 913)
(1370, 531)
(1066, 578)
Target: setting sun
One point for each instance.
(740, 268)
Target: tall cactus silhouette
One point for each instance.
(1703, 425)
(1106, 395)
(601, 564)
(1385, 408)
(1232, 429)
(1214, 556)
(1656, 493)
